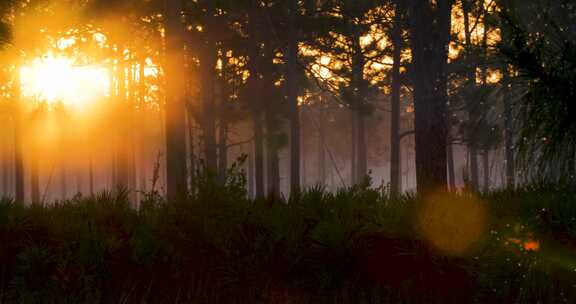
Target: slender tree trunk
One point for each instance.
(208, 63)
(395, 167)
(34, 180)
(255, 83)
(354, 142)
(5, 166)
(91, 174)
(509, 132)
(292, 96)
(362, 149)
(63, 180)
(359, 116)
(486, 169)
(222, 150)
(78, 182)
(430, 32)
(258, 154)
(141, 147)
(130, 136)
(322, 147)
(122, 136)
(18, 150)
(175, 102)
(191, 150)
(222, 130)
(451, 172)
(251, 173)
(273, 167)
(472, 115)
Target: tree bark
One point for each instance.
(322, 147)
(472, 115)
(5, 165)
(122, 136)
(509, 133)
(207, 63)
(91, 174)
(258, 154)
(451, 172)
(486, 169)
(222, 146)
(191, 149)
(358, 105)
(251, 186)
(354, 142)
(395, 165)
(273, 166)
(255, 87)
(34, 180)
(430, 32)
(362, 149)
(18, 148)
(175, 104)
(292, 96)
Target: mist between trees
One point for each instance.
(101, 95)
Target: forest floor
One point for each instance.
(354, 246)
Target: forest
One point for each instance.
(287, 151)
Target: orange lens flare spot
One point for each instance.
(452, 223)
(532, 245)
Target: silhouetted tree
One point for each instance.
(175, 106)
(429, 37)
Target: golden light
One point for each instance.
(452, 223)
(57, 79)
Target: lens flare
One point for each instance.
(57, 79)
(453, 223)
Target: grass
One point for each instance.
(357, 245)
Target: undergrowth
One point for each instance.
(357, 245)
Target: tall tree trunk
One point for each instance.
(18, 151)
(130, 137)
(140, 148)
(362, 149)
(250, 173)
(472, 111)
(354, 142)
(258, 154)
(191, 149)
(63, 177)
(34, 180)
(509, 132)
(19, 190)
(5, 165)
(508, 118)
(78, 182)
(273, 162)
(175, 102)
(122, 167)
(322, 147)
(221, 96)
(451, 172)
(222, 145)
(292, 96)
(486, 169)
(91, 174)
(207, 63)
(358, 103)
(430, 32)
(255, 88)
(395, 164)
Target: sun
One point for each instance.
(54, 79)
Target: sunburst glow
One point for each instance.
(57, 79)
